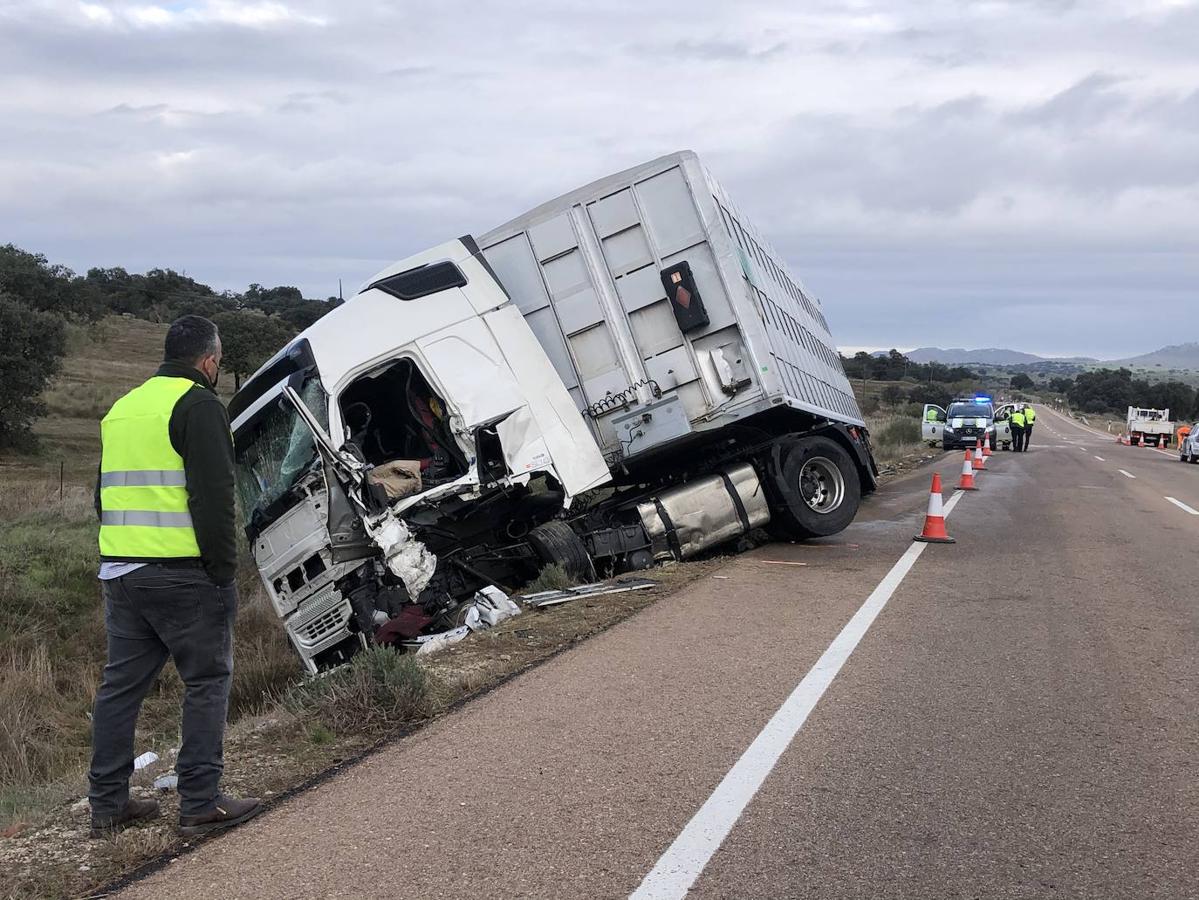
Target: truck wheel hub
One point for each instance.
(821, 485)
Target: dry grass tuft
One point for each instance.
(378, 691)
(553, 577)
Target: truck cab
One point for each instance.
(410, 408)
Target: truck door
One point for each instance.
(932, 428)
(1003, 425)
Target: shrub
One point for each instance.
(553, 577)
(897, 432)
(34, 344)
(378, 690)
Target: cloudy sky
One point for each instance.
(1021, 173)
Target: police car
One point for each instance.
(960, 425)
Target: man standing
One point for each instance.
(1030, 417)
(1016, 421)
(168, 551)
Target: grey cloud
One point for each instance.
(723, 50)
(1091, 100)
(906, 158)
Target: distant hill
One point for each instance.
(1176, 356)
(957, 356)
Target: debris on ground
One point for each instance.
(543, 599)
(145, 760)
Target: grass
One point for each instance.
(379, 690)
(894, 437)
(553, 577)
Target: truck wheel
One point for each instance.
(556, 544)
(819, 489)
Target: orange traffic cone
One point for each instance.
(986, 447)
(980, 461)
(967, 481)
(934, 523)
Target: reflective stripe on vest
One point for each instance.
(147, 517)
(143, 492)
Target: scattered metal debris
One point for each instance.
(543, 599)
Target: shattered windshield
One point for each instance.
(278, 449)
(970, 411)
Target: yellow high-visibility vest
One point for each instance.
(1030, 415)
(143, 488)
(1017, 419)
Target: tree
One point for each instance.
(1021, 382)
(1061, 385)
(34, 344)
(1104, 390)
(248, 339)
(30, 279)
(892, 394)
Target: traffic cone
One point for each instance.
(986, 447)
(967, 481)
(980, 461)
(934, 522)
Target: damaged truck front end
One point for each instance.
(401, 455)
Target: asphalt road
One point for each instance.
(1020, 720)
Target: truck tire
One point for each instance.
(556, 544)
(818, 487)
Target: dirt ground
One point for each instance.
(276, 755)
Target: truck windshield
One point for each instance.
(969, 410)
(275, 450)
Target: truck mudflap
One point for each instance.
(857, 441)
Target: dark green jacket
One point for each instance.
(199, 430)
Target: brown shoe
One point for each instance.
(134, 811)
(227, 813)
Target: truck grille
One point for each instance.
(319, 617)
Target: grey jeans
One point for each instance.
(156, 612)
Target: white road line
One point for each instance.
(1126, 474)
(1101, 459)
(679, 867)
(1183, 506)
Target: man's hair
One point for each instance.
(189, 339)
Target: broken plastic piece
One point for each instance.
(493, 606)
(434, 642)
(619, 586)
(146, 759)
(407, 558)
(166, 782)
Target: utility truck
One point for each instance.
(1149, 426)
(624, 375)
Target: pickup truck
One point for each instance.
(626, 374)
(1149, 426)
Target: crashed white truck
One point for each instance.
(623, 375)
